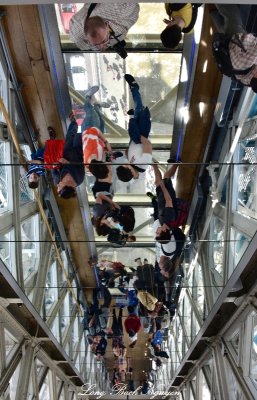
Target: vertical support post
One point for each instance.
(25, 372)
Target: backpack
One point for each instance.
(182, 213)
(117, 238)
(220, 51)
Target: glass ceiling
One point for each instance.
(157, 72)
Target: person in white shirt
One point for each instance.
(139, 153)
(96, 25)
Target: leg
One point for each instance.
(92, 117)
(107, 296)
(232, 18)
(120, 322)
(137, 100)
(69, 138)
(157, 174)
(171, 171)
(100, 115)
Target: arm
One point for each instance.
(106, 143)
(147, 145)
(101, 197)
(167, 197)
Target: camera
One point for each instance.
(119, 47)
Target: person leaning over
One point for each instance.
(182, 18)
(242, 45)
(139, 153)
(72, 172)
(94, 26)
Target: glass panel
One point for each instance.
(216, 248)
(55, 328)
(10, 342)
(138, 35)
(7, 253)
(198, 289)
(26, 194)
(51, 290)
(4, 183)
(3, 90)
(13, 384)
(253, 354)
(187, 311)
(30, 246)
(204, 389)
(44, 393)
(235, 340)
(246, 182)
(65, 314)
(237, 246)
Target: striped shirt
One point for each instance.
(92, 144)
(120, 18)
(245, 56)
(38, 169)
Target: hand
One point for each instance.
(108, 147)
(115, 205)
(63, 161)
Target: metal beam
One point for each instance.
(25, 372)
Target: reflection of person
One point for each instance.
(182, 18)
(140, 149)
(72, 172)
(242, 46)
(92, 27)
(36, 167)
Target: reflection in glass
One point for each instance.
(51, 290)
(216, 250)
(253, 354)
(3, 178)
(7, 251)
(30, 246)
(238, 244)
(246, 184)
(25, 193)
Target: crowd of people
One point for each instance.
(149, 293)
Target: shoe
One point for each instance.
(91, 91)
(117, 154)
(173, 160)
(103, 105)
(52, 133)
(131, 81)
(72, 117)
(137, 259)
(151, 195)
(130, 112)
(145, 260)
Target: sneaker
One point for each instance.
(103, 104)
(52, 133)
(91, 91)
(130, 112)
(131, 81)
(173, 160)
(145, 261)
(117, 154)
(151, 195)
(137, 259)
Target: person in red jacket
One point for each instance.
(132, 326)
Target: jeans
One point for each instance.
(93, 116)
(227, 19)
(140, 124)
(133, 301)
(73, 139)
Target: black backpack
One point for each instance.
(220, 51)
(117, 238)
